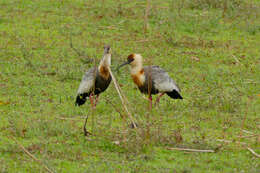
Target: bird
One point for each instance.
(95, 81)
(151, 80)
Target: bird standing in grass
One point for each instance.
(151, 79)
(95, 80)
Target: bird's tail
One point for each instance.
(80, 100)
(174, 94)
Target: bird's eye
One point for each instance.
(130, 58)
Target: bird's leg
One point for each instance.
(158, 98)
(150, 102)
(91, 100)
(86, 133)
(96, 100)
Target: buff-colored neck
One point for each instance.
(137, 65)
(136, 69)
(137, 72)
(104, 65)
(106, 61)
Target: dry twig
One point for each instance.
(147, 9)
(246, 131)
(253, 152)
(80, 54)
(141, 41)
(192, 150)
(73, 119)
(73, 48)
(122, 98)
(32, 156)
(228, 141)
(249, 136)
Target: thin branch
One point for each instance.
(122, 98)
(32, 156)
(244, 118)
(73, 119)
(249, 136)
(109, 27)
(235, 58)
(253, 152)
(147, 9)
(78, 52)
(114, 106)
(228, 141)
(246, 131)
(192, 150)
(73, 48)
(141, 41)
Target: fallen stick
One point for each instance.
(140, 41)
(74, 119)
(246, 131)
(236, 59)
(122, 98)
(249, 136)
(228, 141)
(192, 150)
(253, 152)
(32, 156)
(146, 15)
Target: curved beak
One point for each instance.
(125, 63)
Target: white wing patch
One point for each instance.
(166, 86)
(162, 81)
(87, 82)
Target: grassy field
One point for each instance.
(210, 48)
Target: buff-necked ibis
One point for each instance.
(152, 79)
(95, 80)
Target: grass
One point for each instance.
(211, 49)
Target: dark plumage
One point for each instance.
(174, 94)
(96, 80)
(160, 82)
(152, 79)
(101, 84)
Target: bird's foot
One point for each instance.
(158, 99)
(96, 101)
(87, 133)
(133, 125)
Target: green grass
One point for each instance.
(212, 55)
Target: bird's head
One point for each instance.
(106, 60)
(134, 60)
(107, 49)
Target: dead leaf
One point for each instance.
(23, 132)
(116, 142)
(34, 148)
(178, 137)
(194, 58)
(4, 103)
